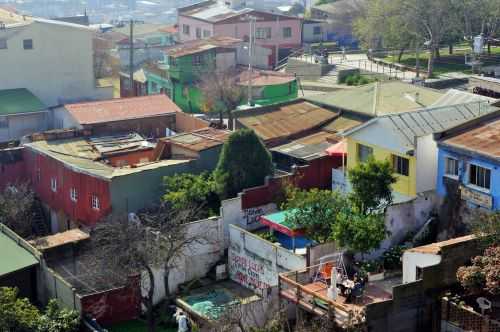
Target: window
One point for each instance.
(287, 32)
(206, 33)
(94, 202)
(317, 31)
(3, 44)
(53, 184)
(4, 122)
(154, 87)
(451, 166)
(38, 175)
(172, 61)
(263, 33)
(197, 59)
(28, 44)
(185, 29)
(198, 33)
(479, 176)
(401, 165)
(364, 152)
(73, 194)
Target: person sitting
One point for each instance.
(182, 321)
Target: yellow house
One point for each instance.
(406, 140)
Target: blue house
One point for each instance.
(469, 162)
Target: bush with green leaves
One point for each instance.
(392, 257)
(190, 191)
(19, 315)
(244, 163)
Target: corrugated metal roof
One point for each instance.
(201, 139)
(309, 147)
(398, 131)
(122, 109)
(17, 101)
(455, 97)
(13, 256)
(483, 138)
(378, 99)
(284, 120)
(201, 45)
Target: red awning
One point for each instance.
(337, 150)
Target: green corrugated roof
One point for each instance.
(280, 219)
(13, 257)
(15, 101)
(379, 98)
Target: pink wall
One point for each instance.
(193, 24)
(241, 30)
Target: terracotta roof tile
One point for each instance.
(435, 248)
(122, 109)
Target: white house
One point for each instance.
(52, 59)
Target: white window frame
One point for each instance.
(447, 160)
(95, 204)
(285, 36)
(53, 184)
(263, 33)
(476, 186)
(73, 194)
(186, 29)
(198, 33)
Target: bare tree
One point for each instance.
(16, 208)
(157, 240)
(221, 93)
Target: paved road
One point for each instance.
(361, 61)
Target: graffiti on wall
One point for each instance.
(248, 272)
(251, 216)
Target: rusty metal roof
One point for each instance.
(201, 45)
(286, 119)
(201, 139)
(483, 139)
(309, 147)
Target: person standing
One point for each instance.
(182, 321)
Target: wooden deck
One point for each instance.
(313, 298)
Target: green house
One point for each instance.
(184, 65)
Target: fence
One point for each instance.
(459, 318)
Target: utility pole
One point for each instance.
(131, 64)
(251, 20)
(277, 58)
(417, 60)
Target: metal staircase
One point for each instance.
(38, 221)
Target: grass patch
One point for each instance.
(137, 326)
(448, 62)
(356, 79)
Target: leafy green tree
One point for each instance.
(371, 185)
(16, 314)
(185, 191)
(316, 211)
(244, 163)
(360, 232)
(19, 315)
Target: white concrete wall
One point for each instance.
(25, 124)
(402, 218)
(412, 260)
(197, 260)
(256, 263)
(233, 214)
(225, 60)
(62, 119)
(260, 59)
(427, 157)
(58, 69)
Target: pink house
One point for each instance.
(280, 33)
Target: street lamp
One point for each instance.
(251, 20)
